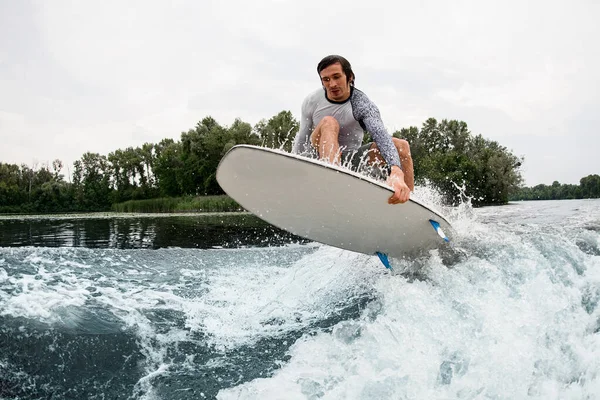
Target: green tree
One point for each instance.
(217, 142)
(590, 186)
(449, 157)
(92, 181)
(53, 196)
(199, 148)
(11, 188)
(279, 131)
(168, 167)
(147, 155)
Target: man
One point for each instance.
(334, 120)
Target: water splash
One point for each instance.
(517, 318)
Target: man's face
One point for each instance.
(335, 82)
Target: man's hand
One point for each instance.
(401, 190)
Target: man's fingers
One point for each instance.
(401, 191)
(399, 197)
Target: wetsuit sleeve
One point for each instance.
(302, 139)
(367, 114)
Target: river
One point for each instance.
(224, 306)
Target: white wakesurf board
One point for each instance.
(328, 204)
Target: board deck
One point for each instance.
(328, 204)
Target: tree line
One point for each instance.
(459, 164)
(588, 188)
(169, 168)
(445, 154)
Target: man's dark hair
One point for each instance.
(346, 67)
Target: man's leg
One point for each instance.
(406, 162)
(325, 139)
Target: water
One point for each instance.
(141, 231)
(186, 308)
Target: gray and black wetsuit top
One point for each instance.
(355, 115)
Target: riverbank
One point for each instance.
(120, 215)
(170, 205)
(179, 204)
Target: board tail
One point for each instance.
(384, 259)
(438, 229)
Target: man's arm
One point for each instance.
(368, 114)
(388, 151)
(383, 140)
(302, 139)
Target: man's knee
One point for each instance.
(328, 125)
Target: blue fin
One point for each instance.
(384, 259)
(438, 230)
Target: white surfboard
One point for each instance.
(328, 204)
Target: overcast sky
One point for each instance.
(101, 75)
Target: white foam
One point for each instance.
(33, 298)
(507, 322)
(248, 302)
